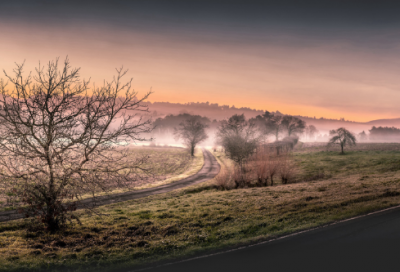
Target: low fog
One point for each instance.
(166, 118)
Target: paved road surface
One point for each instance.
(209, 170)
(370, 243)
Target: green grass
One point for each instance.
(352, 162)
(200, 219)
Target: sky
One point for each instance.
(321, 58)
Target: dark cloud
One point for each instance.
(283, 13)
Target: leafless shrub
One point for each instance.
(273, 167)
(260, 163)
(267, 165)
(260, 170)
(286, 167)
(244, 176)
(224, 180)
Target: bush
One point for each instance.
(259, 170)
(286, 167)
(224, 180)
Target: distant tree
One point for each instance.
(268, 124)
(311, 131)
(274, 125)
(192, 132)
(168, 124)
(293, 125)
(384, 134)
(58, 143)
(238, 138)
(362, 136)
(343, 137)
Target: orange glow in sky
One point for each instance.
(322, 79)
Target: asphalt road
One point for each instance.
(369, 243)
(209, 170)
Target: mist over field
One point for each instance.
(214, 113)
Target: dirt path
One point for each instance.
(209, 170)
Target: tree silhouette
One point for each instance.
(269, 124)
(58, 143)
(293, 125)
(362, 136)
(238, 137)
(311, 131)
(192, 131)
(343, 137)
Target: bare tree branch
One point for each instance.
(57, 142)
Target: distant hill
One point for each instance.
(219, 112)
(385, 122)
(212, 111)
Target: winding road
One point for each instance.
(209, 170)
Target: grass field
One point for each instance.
(167, 164)
(199, 219)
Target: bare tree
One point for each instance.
(238, 137)
(342, 137)
(60, 139)
(293, 125)
(192, 131)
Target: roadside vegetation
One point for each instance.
(327, 187)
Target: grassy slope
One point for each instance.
(199, 218)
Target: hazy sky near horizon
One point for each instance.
(313, 58)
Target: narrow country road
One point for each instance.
(209, 170)
(367, 243)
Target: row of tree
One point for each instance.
(269, 125)
(237, 135)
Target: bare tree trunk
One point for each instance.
(260, 182)
(50, 217)
(192, 150)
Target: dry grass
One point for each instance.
(167, 164)
(191, 167)
(201, 218)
